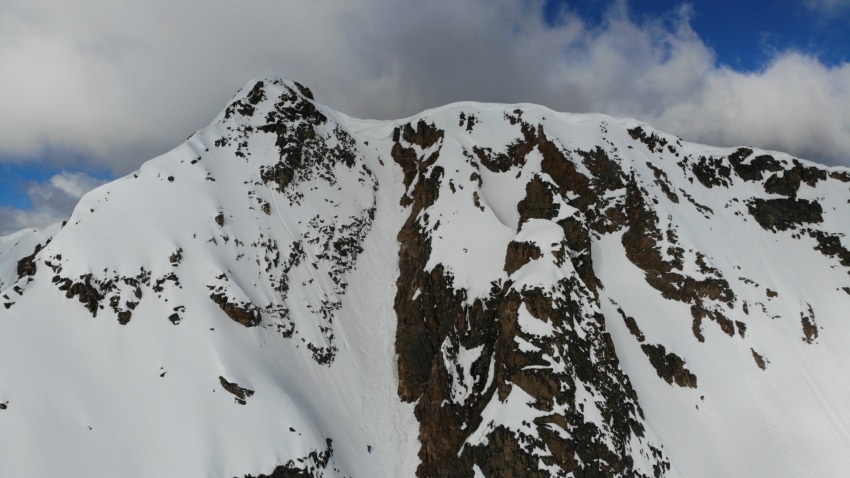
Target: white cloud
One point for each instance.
(796, 104)
(73, 185)
(123, 81)
(52, 201)
(829, 7)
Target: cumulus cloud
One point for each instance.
(829, 7)
(123, 81)
(795, 104)
(52, 201)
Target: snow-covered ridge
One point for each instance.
(478, 289)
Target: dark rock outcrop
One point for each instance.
(669, 366)
(26, 266)
(313, 465)
(241, 393)
(782, 214)
(244, 313)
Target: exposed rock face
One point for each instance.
(760, 361)
(669, 366)
(784, 214)
(26, 266)
(314, 465)
(520, 254)
(241, 393)
(460, 356)
(245, 313)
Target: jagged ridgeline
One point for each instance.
(477, 290)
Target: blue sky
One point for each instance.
(90, 89)
(745, 35)
(13, 178)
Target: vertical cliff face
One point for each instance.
(478, 290)
(501, 376)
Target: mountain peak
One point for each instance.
(476, 290)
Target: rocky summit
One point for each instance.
(477, 290)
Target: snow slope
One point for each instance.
(99, 398)
(477, 290)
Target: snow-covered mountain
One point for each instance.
(477, 290)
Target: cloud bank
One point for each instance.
(120, 82)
